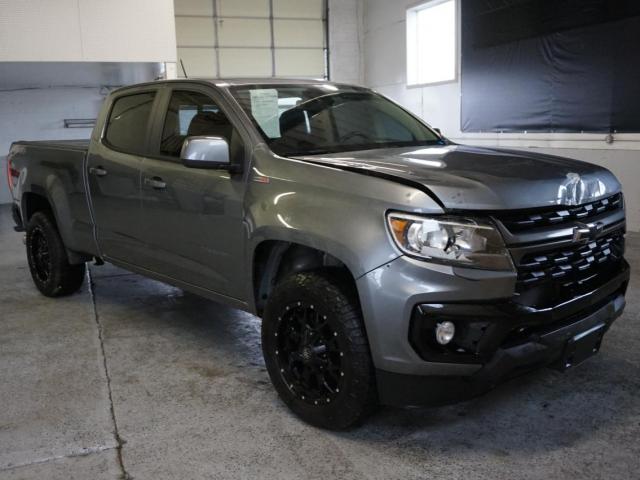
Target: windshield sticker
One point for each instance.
(264, 108)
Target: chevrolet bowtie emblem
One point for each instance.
(585, 232)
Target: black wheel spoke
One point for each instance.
(39, 252)
(309, 354)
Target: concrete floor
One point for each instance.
(138, 378)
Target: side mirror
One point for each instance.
(206, 152)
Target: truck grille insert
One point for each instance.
(525, 221)
(573, 265)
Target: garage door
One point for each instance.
(230, 38)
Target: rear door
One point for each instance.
(192, 219)
(114, 174)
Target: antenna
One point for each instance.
(183, 70)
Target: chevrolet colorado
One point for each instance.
(389, 265)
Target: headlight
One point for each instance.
(451, 240)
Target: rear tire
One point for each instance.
(316, 350)
(47, 256)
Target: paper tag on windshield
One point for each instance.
(264, 108)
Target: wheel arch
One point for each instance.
(32, 202)
(273, 260)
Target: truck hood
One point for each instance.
(472, 178)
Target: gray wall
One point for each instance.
(37, 114)
(385, 70)
(36, 97)
(346, 25)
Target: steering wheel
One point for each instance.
(355, 134)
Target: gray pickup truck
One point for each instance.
(388, 264)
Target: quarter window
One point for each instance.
(129, 121)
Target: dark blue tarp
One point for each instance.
(542, 65)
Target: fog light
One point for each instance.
(445, 332)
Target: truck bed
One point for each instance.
(54, 171)
(75, 145)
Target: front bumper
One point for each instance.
(515, 340)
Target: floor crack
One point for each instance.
(83, 452)
(124, 475)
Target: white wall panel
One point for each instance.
(125, 30)
(198, 62)
(297, 8)
(87, 30)
(298, 33)
(244, 62)
(299, 63)
(39, 30)
(241, 32)
(243, 8)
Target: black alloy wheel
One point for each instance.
(316, 349)
(309, 354)
(48, 261)
(39, 252)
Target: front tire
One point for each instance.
(50, 269)
(316, 350)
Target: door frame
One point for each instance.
(159, 117)
(100, 147)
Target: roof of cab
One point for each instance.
(236, 81)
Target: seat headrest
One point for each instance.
(291, 119)
(209, 124)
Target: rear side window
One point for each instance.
(129, 121)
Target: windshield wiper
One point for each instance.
(302, 153)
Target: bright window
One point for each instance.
(431, 42)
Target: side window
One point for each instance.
(128, 122)
(195, 114)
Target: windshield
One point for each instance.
(317, 119)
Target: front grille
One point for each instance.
(572, 265)
(518, 222)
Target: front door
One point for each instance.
(192, 219)
(114, 176)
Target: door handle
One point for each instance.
(97, 171)
(155, 182)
